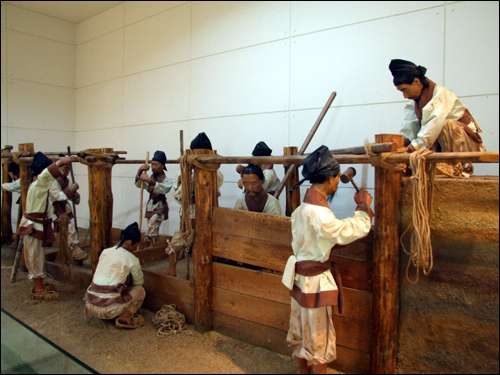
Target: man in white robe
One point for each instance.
(308, 274)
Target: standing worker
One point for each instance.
(61, 193)
(35, 226)
(157, 186)
(309, 274)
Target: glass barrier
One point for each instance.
(25, 351)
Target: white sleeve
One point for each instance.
(12, 187)
(346, 230)
(56, 193)
(410, 127)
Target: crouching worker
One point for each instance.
(312, 278)
(116, 290)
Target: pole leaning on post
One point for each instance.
(140, 203)
(73, 181)
(306, 142)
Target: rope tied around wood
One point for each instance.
(378, 159)
(169, 321)
(186, 164)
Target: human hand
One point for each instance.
(239, 168)
(76, 196)
(144, 177)
(74, 187)
(410, 149)
(66, 160)
(363, 197)
(143, 168)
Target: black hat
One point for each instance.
(13, 168)
(319, 164)
(161, 158)
(201, 142)
(131, 232)
(39, 163)
(261, 149)
(404, 72)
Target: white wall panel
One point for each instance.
(220, 26)
(4, 102)
(100, 105)
(237, 136)
(157, 96)
(472, 47)
(101, 24)
(41, 25)
(118, 201)
(250, 80)
(4, 52)
(310, 16)
(4, 15)
(139, 10)
(43, 140)
(354, 60)
(486, 110)
(170, 44)
(137, 140)
(100, 59)
(40, 60)
(34, 105)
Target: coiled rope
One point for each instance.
(169, 321)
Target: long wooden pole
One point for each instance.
(73, 181)
(140, 203)
(306, 142)
(385, 303)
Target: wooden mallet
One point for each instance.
(347, 176)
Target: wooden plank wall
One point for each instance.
(254, 306)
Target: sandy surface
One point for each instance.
(107, 349)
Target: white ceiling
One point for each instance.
(71, 11)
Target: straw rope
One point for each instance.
(422, 182)
(169, 321)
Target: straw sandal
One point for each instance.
(45, 296)
(132, 322)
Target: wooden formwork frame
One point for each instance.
(204, 301)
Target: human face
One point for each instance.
(412, 91)
(156, 167)
(252, 184)
(333, 184)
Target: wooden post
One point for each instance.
(385, 306)
(6, 202)
(100, 207)
(25, 177)
(293, 201)
(205, 183)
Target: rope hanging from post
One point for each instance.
(422, 182)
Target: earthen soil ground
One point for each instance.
(107, 349)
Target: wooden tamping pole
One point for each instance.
(140, 203)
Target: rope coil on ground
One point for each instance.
(169, 321)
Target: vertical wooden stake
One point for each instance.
(100, 207)
(205, 183)
(6, 202)
(293, 201)
(25, 177)
(385, 306)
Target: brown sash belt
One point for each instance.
(314, 268)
